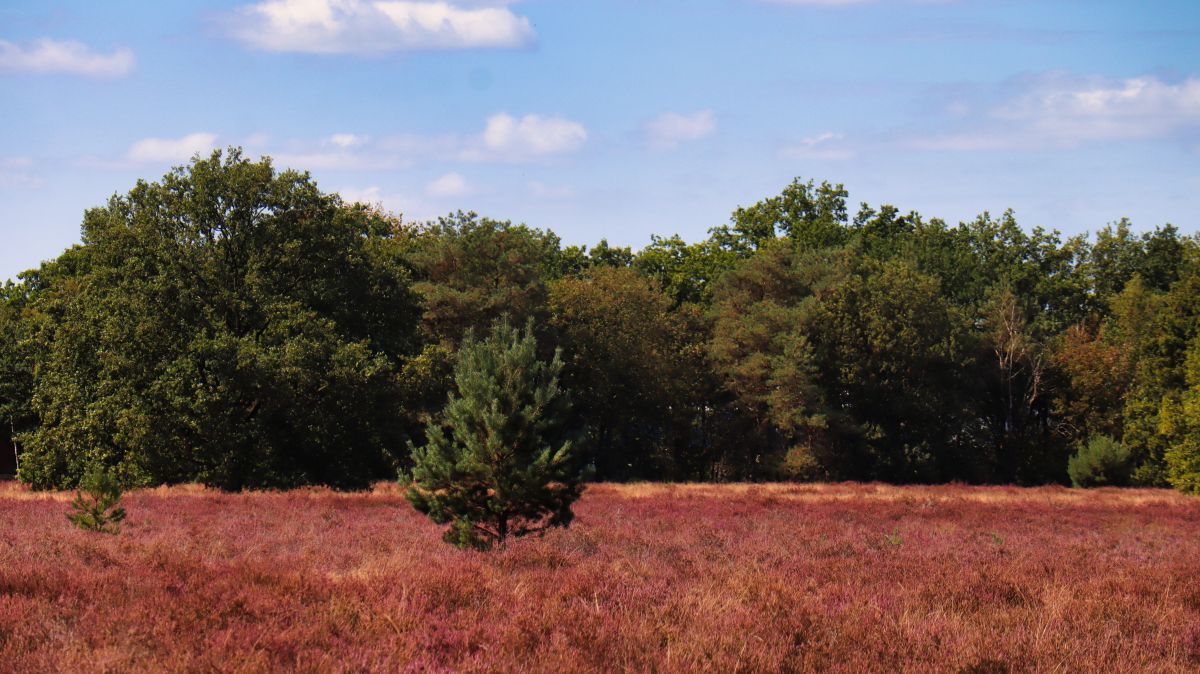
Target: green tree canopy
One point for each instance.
(844, 361)
(470, 271)
(627, 368)
(233, 326)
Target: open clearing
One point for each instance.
(677, 578)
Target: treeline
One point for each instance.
(236, 326)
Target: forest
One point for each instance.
(234, 325)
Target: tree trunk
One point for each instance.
(16, 450)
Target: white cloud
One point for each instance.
(670, 129)
(504, 139)
(378, 26)
(822, 147)
(171, 149)
(511, 139)
(340, 152)
(408, 207)
(1060, 110)
(346, 140)
(64, 56)
(365, 195)
(352, 152)
(341, 160)
(1141, 107)
(450, 185)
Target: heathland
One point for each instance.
(670, 578)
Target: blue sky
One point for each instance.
(611, 119)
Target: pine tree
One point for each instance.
(503, 470)
(97, 504)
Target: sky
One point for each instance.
(615, 119)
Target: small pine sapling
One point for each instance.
(1102, 462)
(97, 504)
(503, 469)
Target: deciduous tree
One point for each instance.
(234, 326)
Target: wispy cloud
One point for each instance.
(847, 3)
(171, 149)
(1101, 109)
(828, 146)
(64, 56)
(362, 195)
(378, 26)
(341, 152)
(341, 160)
(505, 139)
(410, 208)
(826, 3)
(670, 129)
(449, 185)
(14, 174)
(346, 140)
(541, 190)
(1062, 110)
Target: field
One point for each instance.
(668, 578)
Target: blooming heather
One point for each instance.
(669, 578)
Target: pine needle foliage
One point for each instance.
(1102, 462)
(498, 466)
(97, 504)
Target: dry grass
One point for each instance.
(672, 578)
(939, 494)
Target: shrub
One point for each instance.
(97, 504)
(1102, 462)
(503, 469)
